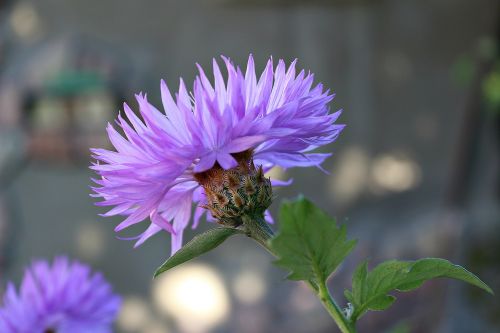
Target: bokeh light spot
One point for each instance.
(395, 173)
(90, 240)
(249, 287)
(24, 21)
(349, 178)
(194, 295)
(134, 315)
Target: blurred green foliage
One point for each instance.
(491, 89)
(466, 66)
(463, 70)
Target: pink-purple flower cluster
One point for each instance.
(281, 117)
(65, 297)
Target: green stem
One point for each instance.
(259, 230)
(334, 310)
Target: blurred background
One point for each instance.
(414, 174)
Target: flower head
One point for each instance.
(276, 120)
(64, 297)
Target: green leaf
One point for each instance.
(369, 289)
(310, 244)
(200, 244)
(382, 302)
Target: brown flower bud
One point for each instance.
(237, 192)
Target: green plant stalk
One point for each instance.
(334, 310)
(257, 229)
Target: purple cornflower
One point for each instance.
(276, 120)
(63, 298)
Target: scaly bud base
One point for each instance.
(236, 195)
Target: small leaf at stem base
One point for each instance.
(199, 245)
